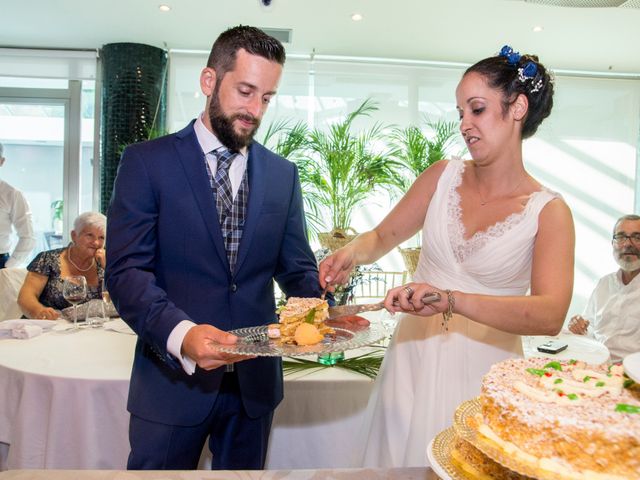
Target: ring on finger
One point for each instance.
(409, 291)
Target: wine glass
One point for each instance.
(106, 298)
(74, 291)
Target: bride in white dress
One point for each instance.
(491, 233)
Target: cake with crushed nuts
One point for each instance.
(563, 419)
(302, 321)
(475, 464)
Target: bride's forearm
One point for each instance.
(522, 315)
(371, 246)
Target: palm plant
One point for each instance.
(286, 140)
(417, 151)
(290, 141)
(341, 169)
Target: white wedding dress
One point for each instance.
(427, 372)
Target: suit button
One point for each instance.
(234, 287)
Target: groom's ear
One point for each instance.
(207, 81)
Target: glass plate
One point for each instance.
(254, 341)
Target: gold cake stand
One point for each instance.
(465, 422)
(440, 453)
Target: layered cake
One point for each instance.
(563, 419)
(302, 321)
(477, 465)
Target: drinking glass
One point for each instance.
(74, 291)
(95, 313)
(106, 298)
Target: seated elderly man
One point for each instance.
(41, 294)
(612, 315)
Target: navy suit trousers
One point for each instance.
(236, 441)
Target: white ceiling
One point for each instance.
(595, 39)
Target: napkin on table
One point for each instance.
(24, 328)
(26, 331)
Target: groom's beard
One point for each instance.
(626, 262)
(222, 125)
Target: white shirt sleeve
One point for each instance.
(174, 345)
(21, 220)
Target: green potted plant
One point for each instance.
(340, 169)
(57, 209)
(416, 151)
(290, 141)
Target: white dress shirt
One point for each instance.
(613, 312)
(208, 142)
(15, 214)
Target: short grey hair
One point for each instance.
(90, 219)
(626, 218)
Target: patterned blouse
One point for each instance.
(48, 264)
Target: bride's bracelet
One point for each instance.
(446, 315)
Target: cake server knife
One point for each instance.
(342, 310)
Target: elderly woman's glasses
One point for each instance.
(620, 238)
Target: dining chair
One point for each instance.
(11, 280)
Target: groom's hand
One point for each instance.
(199, 345)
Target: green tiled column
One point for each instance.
(133, 103)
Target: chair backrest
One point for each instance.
(374, 285)
(53, 240)
(11, 280)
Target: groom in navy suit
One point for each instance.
(201, 224)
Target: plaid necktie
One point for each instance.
(222, 183)
(231, 212)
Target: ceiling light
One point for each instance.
(356, 17)
(164, 8)
(537, 28)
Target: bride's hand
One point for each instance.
(336, 268)
(408, 299)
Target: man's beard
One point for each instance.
(625, 264)
(222, 125)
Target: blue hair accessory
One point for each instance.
(512, 57)
(528, 73)
(530, 69)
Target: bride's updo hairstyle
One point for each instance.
(515, 74)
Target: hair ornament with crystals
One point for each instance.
(528, 73)
(512, 57)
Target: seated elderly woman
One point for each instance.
(41, 294)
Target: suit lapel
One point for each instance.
(257, 171)
(192, 160)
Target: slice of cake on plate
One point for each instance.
(302, 321)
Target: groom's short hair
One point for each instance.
(256, 42)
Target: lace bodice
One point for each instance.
(493, 261)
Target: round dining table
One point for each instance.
(63, 399)
(579, 347)
(63, 402)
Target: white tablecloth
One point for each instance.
(63, 405)
(579, 348)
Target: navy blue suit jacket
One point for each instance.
(166, 262)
